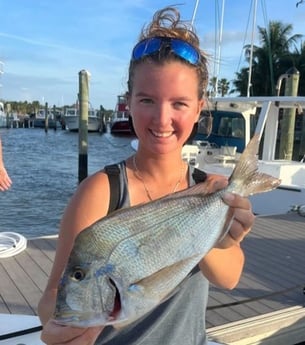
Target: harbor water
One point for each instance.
(44, 170)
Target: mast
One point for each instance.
(218, 58)
(194, 12)
(251, 50)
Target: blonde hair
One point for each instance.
(167, 23)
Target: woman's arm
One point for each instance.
(88, 204)
(5, 181)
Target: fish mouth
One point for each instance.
(117, 304)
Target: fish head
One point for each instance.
(89, 295)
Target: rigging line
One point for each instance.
(244, 41)
(251, 50)
(257, 298)
(267, 26)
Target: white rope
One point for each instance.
(11, 243)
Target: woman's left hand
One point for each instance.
(241, 218)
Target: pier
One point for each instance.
(267, 306)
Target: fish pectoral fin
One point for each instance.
(162, 284)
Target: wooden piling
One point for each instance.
(46, 117)
(83, 97)
(54, 117)
(288, 121)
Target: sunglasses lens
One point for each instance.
(146, 47)
(185, 51)
(179, 47)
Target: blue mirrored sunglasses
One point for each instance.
(179, 47)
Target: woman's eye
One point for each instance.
(180, 105)
(146, 100)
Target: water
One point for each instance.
(44, 170)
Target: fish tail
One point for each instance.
(245, 179)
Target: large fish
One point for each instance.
(127, 263)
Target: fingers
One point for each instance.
(216, 182)
(55, 334)
(5, 181)
(243, 218)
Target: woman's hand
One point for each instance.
(5, 181)
(55, 334)
(240, 219)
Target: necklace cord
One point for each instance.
(139, 177)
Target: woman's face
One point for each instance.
(164, 105)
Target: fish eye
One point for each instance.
(78, 274)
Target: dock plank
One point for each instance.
(273, 279)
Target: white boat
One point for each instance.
(2, 116)
(20, 329)
(71, 118)
(25, 330)
(221, 159)
(120, 120)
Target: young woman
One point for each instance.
(5, 181)
(167, 79)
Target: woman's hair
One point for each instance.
(167, 23)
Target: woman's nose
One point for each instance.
(162, 115)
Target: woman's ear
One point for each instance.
(201, 105)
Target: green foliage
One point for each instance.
(277, 53)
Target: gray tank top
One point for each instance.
(180, 320)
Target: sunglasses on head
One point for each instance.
(181, 48)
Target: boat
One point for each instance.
(39, 120)
(235, 121)
(120, 121)
(2, 116)
(71, 119)
(20, 329)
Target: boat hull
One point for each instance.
(121, 126)
(72, 124)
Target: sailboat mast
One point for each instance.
(218, 58)
(194, 12)
(251, 49)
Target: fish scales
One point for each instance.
(127, 263)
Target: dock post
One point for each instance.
(288, 121)
(46, 117)
(83, 96)
(54, 117)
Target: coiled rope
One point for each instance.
(11, 243)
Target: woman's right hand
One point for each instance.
(55, 334)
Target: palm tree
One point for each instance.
(223, 86)
(276, 43)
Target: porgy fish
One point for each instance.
(127, 263)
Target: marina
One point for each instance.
(267, 306)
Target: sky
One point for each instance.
(45, 44)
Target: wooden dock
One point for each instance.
(267, 307)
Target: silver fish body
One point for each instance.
(127, 263)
